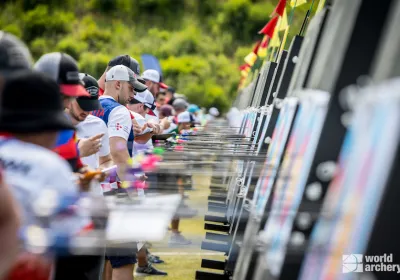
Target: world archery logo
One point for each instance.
(352, 263)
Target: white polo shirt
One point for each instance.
(30, 169)
(90, 127)
(119, 121)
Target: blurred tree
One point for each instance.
(200, 44)
(93, 63)
(39, 46)
(40, 21)
(13, 29)
(72, 47)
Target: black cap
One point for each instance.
(14, 55)
(129, 62)
(63, 69)
(89, 103)
(31, 103)
(171, 89)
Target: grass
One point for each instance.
(182, 263)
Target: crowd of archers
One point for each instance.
(61, 130)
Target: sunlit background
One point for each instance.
(200, 44)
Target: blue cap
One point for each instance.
(193, 108)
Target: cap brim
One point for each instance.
(140, 79)
(73, 90)
(164, 86)
(89, 105)
(138, 86)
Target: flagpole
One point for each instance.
(283, 43)
(292, 12)
(283, 39)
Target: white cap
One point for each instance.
(214, 112)
(123, 73)
(151, 75)
(145, 98)
(184, 117)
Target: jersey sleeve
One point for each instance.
(105, 141)
(119, 123)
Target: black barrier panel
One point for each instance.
(308, 51)
(355, 40)
(281, 88)
(386, 64)
(254, 89)
(276, 77)
(270, 66)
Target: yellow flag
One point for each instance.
(262, 52)
(283, 21)
(250, 58)
(275, 41)
(284, 39)
(296, 3)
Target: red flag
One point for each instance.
(244, 67)
(256, 47)
(269, 28)
(264, 43)
(279, 8)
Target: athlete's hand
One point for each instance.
(90, 146)
(156, 127)
(86, 176)
(137, 129)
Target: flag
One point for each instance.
(284, 38)
(244, 73)
(279, 8)
(244, 70)
(244, 67)
(262, 51)
(242, 82)
(296, 3)
(264, 43)
(256, 47)
(252, 57)
(275, 41)
(269, 28)
(151, 62)
(283, 22)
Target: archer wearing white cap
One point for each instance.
(140, 105)
(119, 89)
(153, 81)
(184, 121)
(121, 85)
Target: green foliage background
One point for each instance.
(200, 43)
